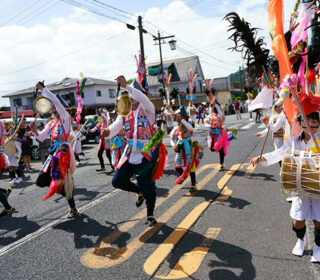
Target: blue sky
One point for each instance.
(49, 39)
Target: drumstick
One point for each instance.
(264, 143)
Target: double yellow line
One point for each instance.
(191, 261)
(105, 255)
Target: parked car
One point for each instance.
(91, 136)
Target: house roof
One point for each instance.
(180, 68)
(66, 83)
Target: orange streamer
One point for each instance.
(279, 47)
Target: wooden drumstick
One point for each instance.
(264, 143)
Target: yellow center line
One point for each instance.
(104, 255)
(190, 262)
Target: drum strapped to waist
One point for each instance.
(279, 133)
(10, 148)
(300, 174)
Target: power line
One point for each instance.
(90, 9)
(18, 14)
(62, 56)
(26, 19)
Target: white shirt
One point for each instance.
(274, 127)
(277, 155)
(148, 107)
(64, 116)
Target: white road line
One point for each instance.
(45, 228)
(261, 126)
(247, 126)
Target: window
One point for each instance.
(98, 93)
(17, 102)
(112, 93)
(66, 97)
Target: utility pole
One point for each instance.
(240, 81)
(141, 30)
(158, 41)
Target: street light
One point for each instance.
(172, 44)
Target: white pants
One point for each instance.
(305, 209)
(278, 142)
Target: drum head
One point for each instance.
(10, 149)
(42, 105)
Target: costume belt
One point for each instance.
(214, 131)
(117, 142)
(56, 144)
(186, 145)
(140, 144)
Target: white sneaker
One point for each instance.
(78, 163)
(299, 247)
(85, 157)
(19, 180)
(289, 199)
(251, 120)
(13, 181)
(316, 254)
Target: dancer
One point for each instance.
(169, 118)
(192, 111)
(76, 141)
(104, 144)
(13, 161)
(138, 129)
(302, 208)
(3, 136)
(276, 124)
(217, 137)
(59, 167)
(4, 195)
(186, 150)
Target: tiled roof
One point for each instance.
(66, 83)
(182, 67)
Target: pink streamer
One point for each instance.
(300, 33)
(301, 72)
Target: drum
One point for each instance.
(10, 148)
(300, 174)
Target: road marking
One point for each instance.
(162, 252)
(247, 126)
(190, 262)
(140, 215)
(249, 171)
(45, 228)
(261, 126)
(104, 255)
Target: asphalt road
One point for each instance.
(236, 227)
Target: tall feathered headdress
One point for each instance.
(246, 42)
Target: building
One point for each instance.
(96, 93)
(223, 91)
(179, 69)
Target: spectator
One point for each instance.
(237, 107)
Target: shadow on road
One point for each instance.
(88, 232)
(255, 176)
(21, 225)
(224, 256)
(228, 257)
